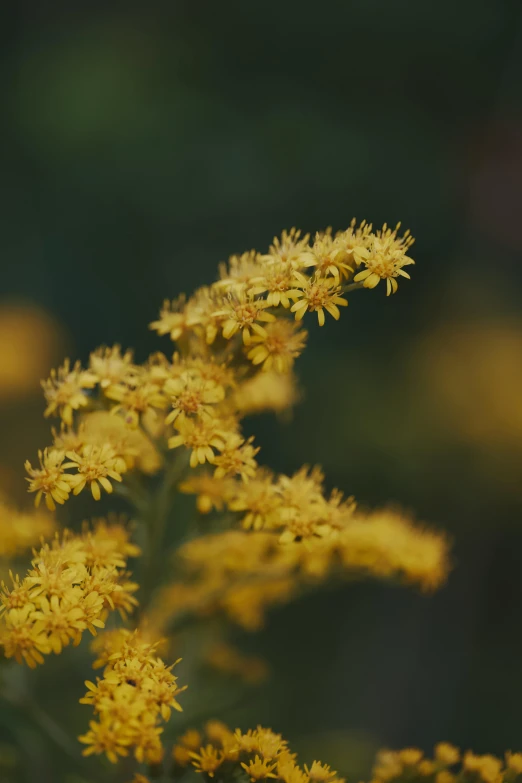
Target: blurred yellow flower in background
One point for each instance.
(30, 339)
(475, 371)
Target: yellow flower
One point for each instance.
(258, 769)
(56, 601)
(136, 401)
(173, 319)
(277, 279)
(236, 458)
(447, 754)
(387, 544)
(208, 760)
(330, 256)
(317, 294)
(487, 767)
(320, 773)
(19, 530)
(246, 741)
(230, 550)
(304, 510)
(289, 772)
(190, 395)
(105, 738)
(410, 757)
(387, 766)
(109, 538)
(211, 492)
(191, 739)
(242, 313)
(21, 639)
(384, 258)
(111, 367)
(267, 756)
(291, 249)
(514, 762)
(69, 439)
(29, 338)
(148, 745)
(201, 319)
(202, 437)
(106, 644)
(61, 620)
(444, 776)
(209, 369)
(246, 604)
(15, 597)
(266, 391)
(136, 693)
(96, 465)
(241, 270)
(181, 755)
(282, 342)
(64, 391)
(132, 445)
(260, 499)
(49, 479)
(426, 767)
(269, 743)
(352, 239)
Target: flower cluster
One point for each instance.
(296, 506)
(175, 421)
(73, 584)
(21, 529)
(136, 693)
(260, 753)
(237, 341)
(446, 766)
(241, 573)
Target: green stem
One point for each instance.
(351, 287)
(46, 724)
(53, 731)
(155, 517)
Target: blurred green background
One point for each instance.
(145, 142)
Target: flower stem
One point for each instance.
(155, 519)
(351, 287)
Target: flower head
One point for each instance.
(207, 760)
(110, 366)
(277, 280)
(384, 258)
(211, 492)
(96, 465)
(203, 437)
(320, 773)
(55, 602)
(135, 401)
(172, 319)
(277, 349)
(330, 256)
(317, 294)
(135, 695)
(243, 313)
(65, 390)
(237, 276)
(191, 395)
(259, 769)
(236, 458)
(50, 479)
(290, 249)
